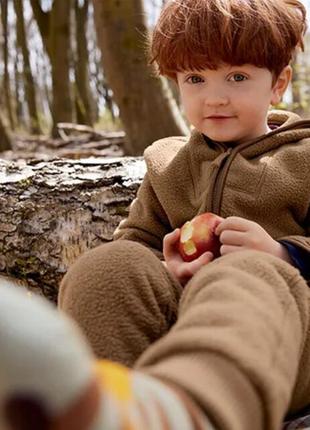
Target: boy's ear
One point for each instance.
(281, 84)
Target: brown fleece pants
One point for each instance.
(236, 339)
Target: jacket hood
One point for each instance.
(287, 127)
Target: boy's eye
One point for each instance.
(194, 79)
(238, 77)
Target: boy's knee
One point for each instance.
(123, 298)
(117, 255)
(105, 254)
(256, 263)
(253, 271)
(104, 269)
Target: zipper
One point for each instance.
(219, 163)
(218, 186)
(215, 197)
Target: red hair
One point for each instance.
(200, 34)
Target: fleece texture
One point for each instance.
(240, 347)
(266, 180)
(236, 340)
(122, 297)
(237, 345)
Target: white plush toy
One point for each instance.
(45, 365)
(50, 380)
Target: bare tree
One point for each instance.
(6, 76)
(18, 89)
(28, 78)
(147, 107)
(54, 27)
(5, 140)
(84, 102)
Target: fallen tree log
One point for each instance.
(51, 212)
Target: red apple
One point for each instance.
(198, 236)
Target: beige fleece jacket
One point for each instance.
(266, 180)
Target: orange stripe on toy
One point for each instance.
(116, 382)
(115, 378)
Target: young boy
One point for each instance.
(239, 344)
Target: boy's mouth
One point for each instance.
(219, 117)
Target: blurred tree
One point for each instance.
(102, 89)
(28, 78)
(297, 105)
(54, 27)
(147, 108)
(5, 140)
(18, 91)
(83, 96)
(6, 77)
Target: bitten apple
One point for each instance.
(198, 236)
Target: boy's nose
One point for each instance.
(216, 98)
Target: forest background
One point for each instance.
(83, 62)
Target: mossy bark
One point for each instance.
(51, 212)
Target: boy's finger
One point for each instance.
(204, 259)
(228, 249)
(232, 237)
(169, 242)
(232, 223)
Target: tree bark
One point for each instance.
(6, 76)
(52, 212)
(28, 78)
(147, 108)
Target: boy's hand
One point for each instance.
(237, 233)
(180, 269)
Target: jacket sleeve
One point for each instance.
(147, 222)
(300, 258)
(301, 244)
(298, 241)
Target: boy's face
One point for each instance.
(231, 104)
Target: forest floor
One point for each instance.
(75, 142)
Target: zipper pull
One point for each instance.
(222, 157)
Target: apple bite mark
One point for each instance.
(198, 236)
(186, 232)
(189, 247)
(186, 238)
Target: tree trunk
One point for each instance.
(60, 47)
(6, 76)
(83, 97)
(54, 28)
(18, 90)
(51, 212)
(28, 78)
(5, 140)
(147, 108)
(43, 21)
(296, 86)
